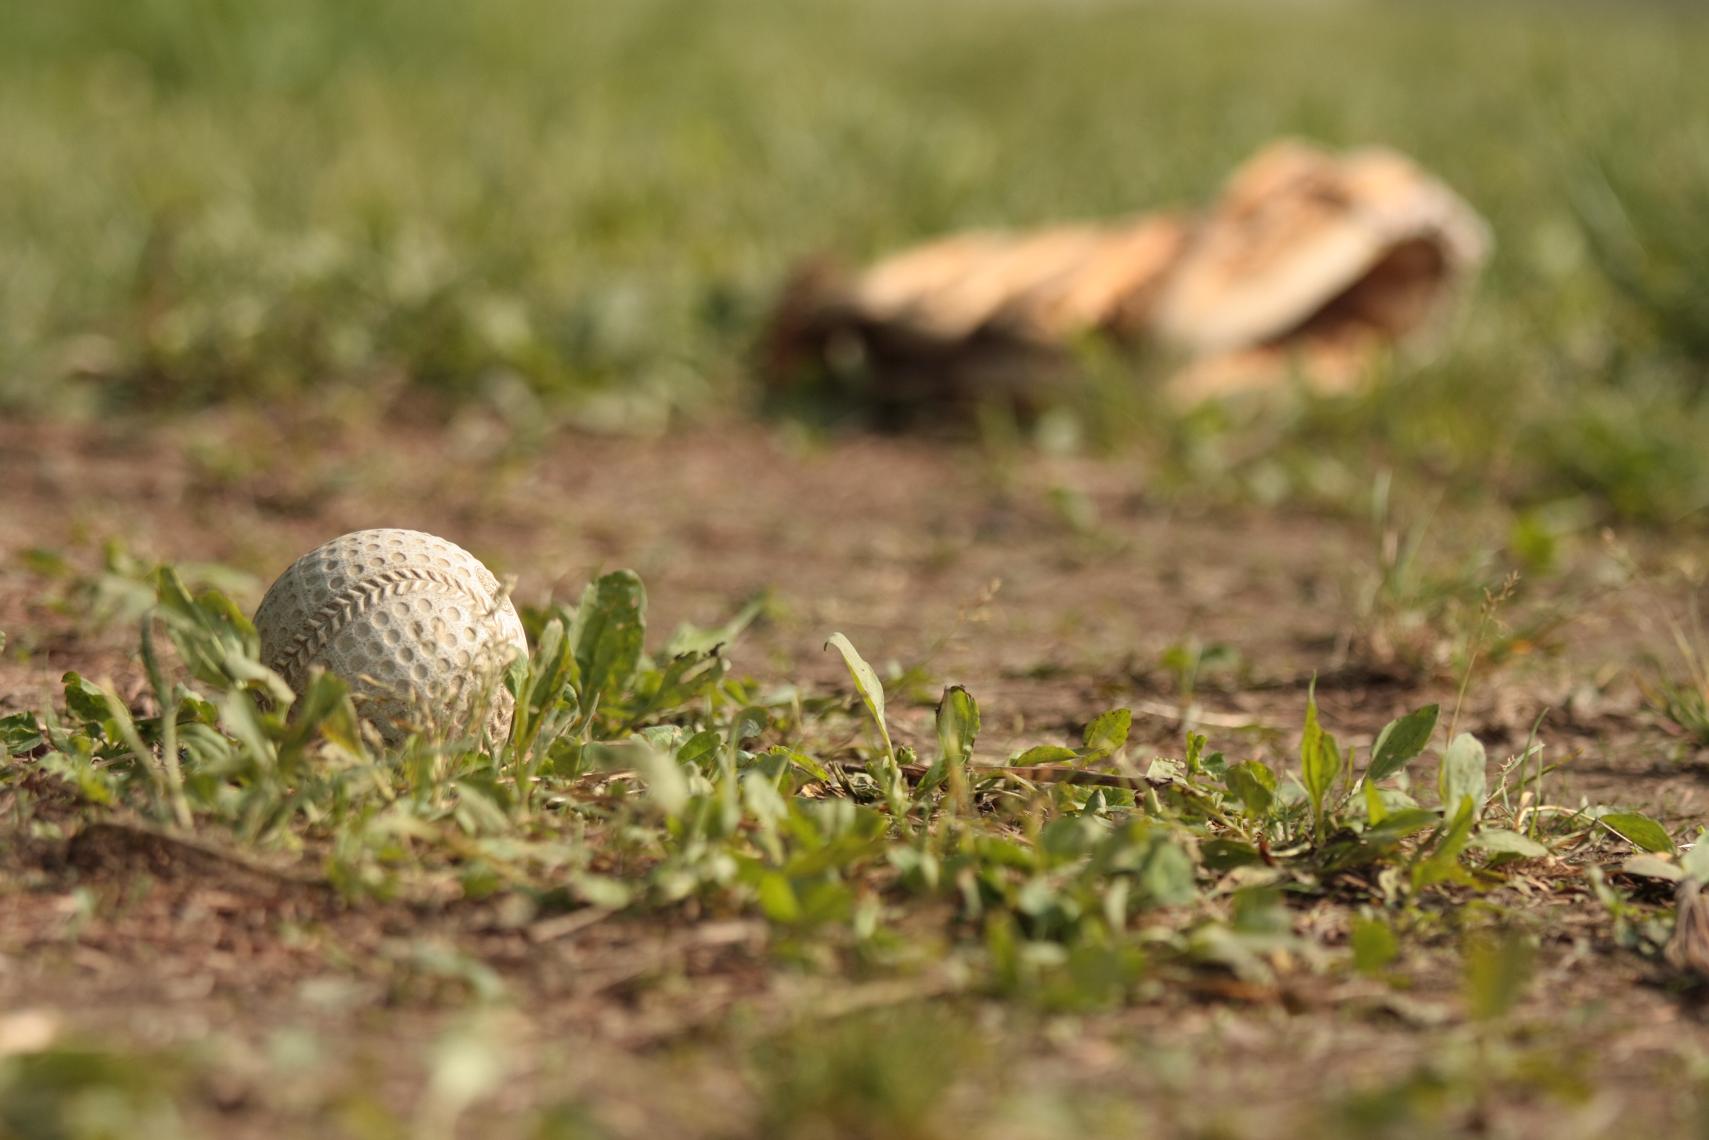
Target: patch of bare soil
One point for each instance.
(1051, 587)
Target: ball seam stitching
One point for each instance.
(344, 607)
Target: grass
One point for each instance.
(806, 909)
(592, 206)
(693, 781)
(1064, 878)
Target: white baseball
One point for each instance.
(415, 625)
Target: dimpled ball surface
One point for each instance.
(414, 624)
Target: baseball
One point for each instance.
(414, 624)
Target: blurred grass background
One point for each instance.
(582, 209)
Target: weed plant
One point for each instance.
(1062, 879)
(636, 780)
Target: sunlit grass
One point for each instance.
(915, 880)
(217, 200)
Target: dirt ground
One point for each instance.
(1050, 587)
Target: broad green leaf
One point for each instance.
(777, 898)
(1400, 742)
(240, 718)
(94, 784)
(701, 750)
(1196, 760)
(609, 627)
(665, 781)
(1226, 854)
(1069, 837)
(240, 667)
(664, 737)
(866, 684)
(1167, 877)
(20, 734)
(477, 812)
(663, 776)
(921, 869)
(601, 890)
(1462, 776)
(1639, 830)
(1400, 823)
(1375, 810)
(1499, 841)
(1255, 785)
(208, 751)
(173, 596)
(1653, 867)
(764, 803)
(1108, 733)
(1696, 861)
(958, 725)
(553, 663)
(748, 723)
(1044, 754)
(213, 637)
(1004, 852)
(807, 765)
(1320, 760)
(86, 703)
(119, 717)
(324, 696)
(1374, 945)
(824, 900)
(1443, 861)
(219, 612)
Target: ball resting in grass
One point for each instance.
(418, 628)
